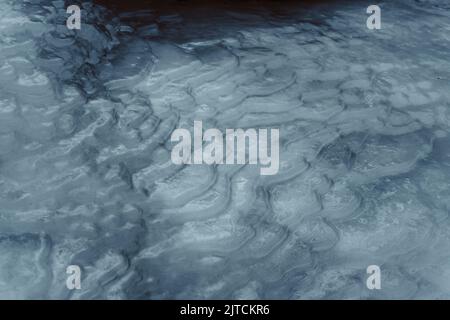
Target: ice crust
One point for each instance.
(86, 176)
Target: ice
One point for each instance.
(86, 176)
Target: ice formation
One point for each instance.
(86, 177)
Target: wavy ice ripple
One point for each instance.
(86, 176)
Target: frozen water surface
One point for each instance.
(86, 176)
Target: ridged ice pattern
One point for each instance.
(86, 176)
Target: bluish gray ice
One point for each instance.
(86, 177)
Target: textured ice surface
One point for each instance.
(86, 176)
